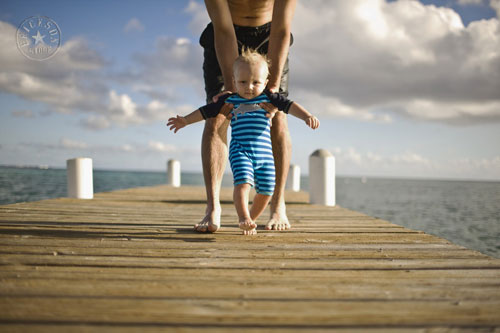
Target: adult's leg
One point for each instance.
(282, 152)
(240, 196)
(214, 157)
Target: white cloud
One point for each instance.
(75, 81)
(199, 17)
(122, 111)
(96, 122)
(352, 162)
(121, 105)
(133, 25)
(174, 62)
(477, 165)
(454, 112)
(495, 4)
(64, 144)
(162, 93)
(73, 144)
(374, 161)
(127, 148)
(62, 95)
(170, 76)
(74, 55)
(70, 80)
(368, 56)
(161, 147)
(23, 114)
(361, 59)
(334, 107)
(410, 158)
(353, 156)
(470, 2)
(483, 168)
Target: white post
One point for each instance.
(80, 179)
(322, 178)
(293, 179)
(174, 173)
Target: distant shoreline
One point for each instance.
(368, 177)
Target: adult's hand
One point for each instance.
(222, 93)
(270, 109)
(226, 110)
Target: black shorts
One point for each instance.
(253, 37)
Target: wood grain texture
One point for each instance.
(129, 260)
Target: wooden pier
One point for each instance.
(129, 261)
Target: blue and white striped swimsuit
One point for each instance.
(250, 150)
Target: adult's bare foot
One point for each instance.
(211, 221)
(278, 220)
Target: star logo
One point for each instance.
(38, 37)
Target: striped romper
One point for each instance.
(250, 150)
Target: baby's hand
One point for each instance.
(312, 122)
(176, 123)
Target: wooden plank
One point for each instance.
(242, 311)
(129, 260)
(263, 252)
(238, 263)
(318, 288)
(256, 328)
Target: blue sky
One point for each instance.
(402, 88)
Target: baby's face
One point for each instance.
(250, 79)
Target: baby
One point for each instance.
(250, 150)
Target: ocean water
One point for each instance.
(464, 212)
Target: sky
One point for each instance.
(402, 88)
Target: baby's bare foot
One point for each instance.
(250, 232)
(248, 226)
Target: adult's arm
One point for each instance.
(279, 40)
(226, 45)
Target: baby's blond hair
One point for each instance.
(251, 57)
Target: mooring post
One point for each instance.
(80, 178)
(174, 173)
(293, 179)
(322, 178)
